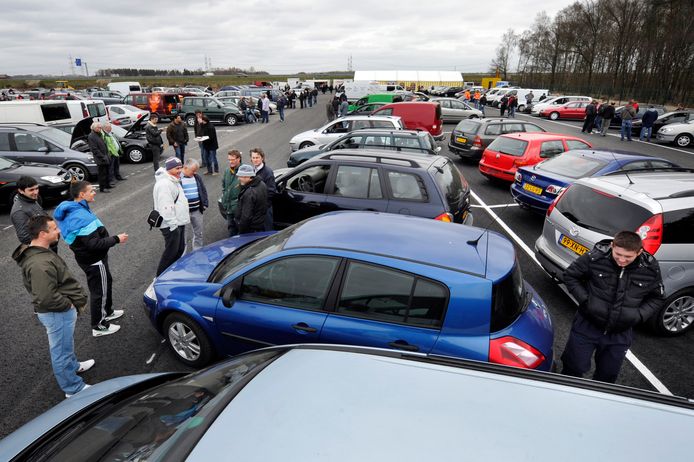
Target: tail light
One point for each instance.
(445, 216)
(139, 115)
(554, 189)
(477, 142)
(85, 113)
(116, 122)
(556, 201)
(651, 232)
(518, 177)
(520, 162)
(510, 351)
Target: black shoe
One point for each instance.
(111, 186)
(120, 178)
(104, 191)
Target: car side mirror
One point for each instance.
(280, 187)
(43, 149)
(219, 106)
(229, 293)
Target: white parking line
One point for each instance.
(652, 379)
(7, 227)
(497, 206)
(151, 358)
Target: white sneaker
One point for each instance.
(115, 315)
(111, 329)
(86, 385)
(85, 365)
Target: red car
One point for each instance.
(505, 154)
(571, 110)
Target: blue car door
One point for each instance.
(278, 303)
(383, 307)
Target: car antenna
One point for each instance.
(625, 171)
(475, 241)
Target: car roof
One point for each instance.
(369, 116)
(534, 136)
(388, 131)
(409, 238)
(611, 155)
(648, 188)
(381, 156)
(488, 120)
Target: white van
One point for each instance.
(521, 94)
(52, 112)
(359, 89)
(125, 88)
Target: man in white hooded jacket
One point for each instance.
(172, 205)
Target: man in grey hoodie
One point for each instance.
(171, 203)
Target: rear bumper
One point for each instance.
(497, 173)
(548, 260)
(468, 152)
(534, 203)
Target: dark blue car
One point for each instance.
(537, 186)
(359, 278)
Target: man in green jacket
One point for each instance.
(56, 296)
(114, 151)
(230, 190)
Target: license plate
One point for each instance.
(533, 189)
(460, 139)
(573, 245)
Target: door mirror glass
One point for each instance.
(43, 149)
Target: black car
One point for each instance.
(451, 91)
(375, 180)
(365, 108)
(54, 182)
(132, 141)
(413, 141)
(674, 117)
(472, 136)
(616, 121)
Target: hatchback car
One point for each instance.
(53, 181)
(214, 109)
(359, 278)
(471, 137)
(657, 205)
(338, 127)
(679, 134)
(454, 110)
(537, 186)
(410, 141)
(508, 152)
(575, 110)
(384, 181)
(317, 396)
(47, 145)
(556, 101)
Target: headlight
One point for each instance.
(52, 179)
(666, 130)
(90, 159)
(149, 293)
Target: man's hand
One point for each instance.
(123, 238)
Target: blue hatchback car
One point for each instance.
(536, 187)
(358, 278)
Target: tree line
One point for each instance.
(131, 72)
(617, 49)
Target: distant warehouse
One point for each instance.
(412, 79)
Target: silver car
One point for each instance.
(454, 110)
(681, 135)
(657, 205)
(338, 127)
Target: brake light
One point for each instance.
(518, 177)
(651, 232)
(554, 189)
(139, 115)
(520, 162)
(556, 201)
(477, 142)
(445, 216)
(116, 122)
(510, 351)
(85, 113)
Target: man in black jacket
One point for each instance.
(27, 204)
(154, 141)
(97, 146)
(617, 285)
(268, 176)
(607, 115)
(591, 112)
(252, 202)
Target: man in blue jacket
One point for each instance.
(647, 122)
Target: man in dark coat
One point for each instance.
(268, 177)
(154, 141)
(251, 207)
(607, 115)
(99, 150)
(27, 204)
(177, 136)
(647, 121)
(591, 112)
(617, 285)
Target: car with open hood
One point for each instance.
(54, 181)
(133, 141)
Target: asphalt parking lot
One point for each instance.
(28, 386)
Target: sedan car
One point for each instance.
(509, 152)
(125, 115)
(53, 181)
(575, 110)
(308, 399)
(681, 135)
(454, 110)
(359, 278)
(338, 127)
(472, 136)
(536, 187)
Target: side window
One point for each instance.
(445, 103)
(141, 99)
(532, 128)
(406, 186)
(407, 142)
(678, 226)
(382, 124)
(551, 148)
(457, 105)
(361, 124)
(357, 182)
(117, 110)
(4, 141)
(311, 179)
(512, 128)
(377, 142)
(635, 165)
(96, 110)
(351, 142)
(300, 282)
(386, 112)
(26, 142)
(383, 294)
(129, 99)
(493, 129)
(573, 105)
(575, 144)
(660, 164)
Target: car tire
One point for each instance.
(554, 116)
(195, 350)
(305, 144)
(521, 108)
(190, 120)
(77, 171)
(135, 155)
(677, 315)
(231, 120)
(684, 140)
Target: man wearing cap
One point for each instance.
(252, 202)
(154, 139)
(171, 203)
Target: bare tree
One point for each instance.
(503, 53)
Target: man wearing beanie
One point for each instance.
(171, 203)
(252, 202)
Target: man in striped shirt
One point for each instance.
(196, 193)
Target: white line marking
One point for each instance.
(497, 206)
(151, 358)
(7, 227)
(652, 379)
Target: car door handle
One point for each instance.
(313, 204)
(302, 326)
(403, 345)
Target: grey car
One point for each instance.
(471, 137)
(657, 205)
(26, 142)
(108, 97)
(681, 134)
(454, 110)
(338, 127)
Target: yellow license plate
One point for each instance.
(460, 139)
(533, 189)
(573, 245)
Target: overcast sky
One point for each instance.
(281, 37)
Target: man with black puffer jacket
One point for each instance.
(251, 208)
(26, 204)
(617, 285)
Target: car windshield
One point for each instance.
(510, 146)
(59, 137)
(162, 423)
(5, 163)
(130, 108)
(251, 253)
(572, 166)
(467, 126)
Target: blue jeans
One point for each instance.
(60, 328)
(250, 117)
(309, 100)
(203, 156)
(264, 117)
(646, 133)
(626, 129)
(211, 160)
(180, 151)
(280, 109)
